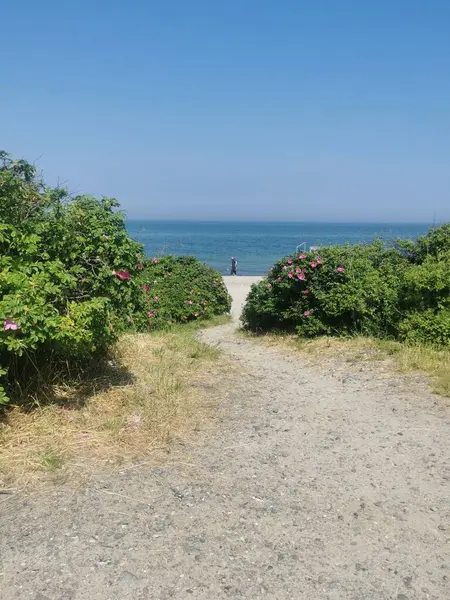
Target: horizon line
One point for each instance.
(309, 221)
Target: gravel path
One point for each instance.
(309, 486)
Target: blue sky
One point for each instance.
(245, 109)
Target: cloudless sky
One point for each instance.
(244, 109)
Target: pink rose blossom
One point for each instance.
(290, 274)
(307, 313)
(155, 260)
(313, 264)
(289, 261)
(150, 315)
(122, 275)
(155, 298)
(302, 256)
(319, 260)
(278, 278)
(306, 292)
(140, 267)
(9, 324)
(145, 287)
(340, 269)
(284, 268)
(301, 276)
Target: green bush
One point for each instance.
(345, 290)
(71, 279)
(425, 301)
(67, 276)
(435, 243)
(181, 289)
(401, 292)
(431, 327)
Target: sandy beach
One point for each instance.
(239, 288)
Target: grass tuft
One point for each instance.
(160, 398)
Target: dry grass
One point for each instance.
(157, 394)
(431, 362)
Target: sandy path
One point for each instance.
(309, 487)
(239, 288)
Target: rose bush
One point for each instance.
(345, 289)
(400, 292)
(71, 279)
(179, 289)
(60, 296)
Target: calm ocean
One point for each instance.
(256, 245)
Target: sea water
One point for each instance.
(256, 245)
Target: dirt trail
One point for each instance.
(309, 487)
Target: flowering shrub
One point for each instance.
(345, 289)
(401, 292)
(181, 289)
(71, 279)
(66, 276)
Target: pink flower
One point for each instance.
(302, 256)
(140, 267)
(289, 261)
(150, 315)
(313, 264)
(307, 313)
(301, 276)
(155, 298)
(278, 278)
(340, 269)
(268, 286)
(145, 287)
(290, 274)
(9, 324)
(155, 260)
(319, 260)
(284, 268)
(306, 292)
(122, 275)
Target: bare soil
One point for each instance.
(310, 484)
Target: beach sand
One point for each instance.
(239, 288)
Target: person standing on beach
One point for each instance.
(233, 267)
